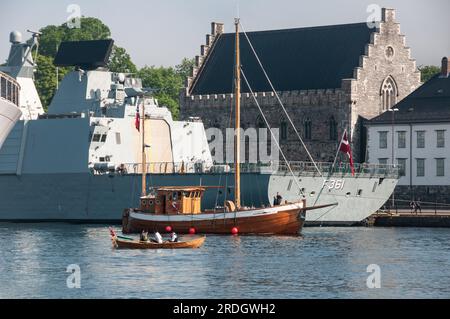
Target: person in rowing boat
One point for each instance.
(144, 235)
(173, 237)
(158, 238)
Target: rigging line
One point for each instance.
(271, 133)
(279, 101)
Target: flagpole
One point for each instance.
(337, 152)
(144, 164)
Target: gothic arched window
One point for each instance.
(307, 129)
(333, 129)
(389, 94)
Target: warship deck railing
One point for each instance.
(9, 89)
(299, 169)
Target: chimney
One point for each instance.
(445, 69)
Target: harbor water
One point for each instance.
(323, 263)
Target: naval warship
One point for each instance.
(80, 161)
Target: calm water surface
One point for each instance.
(324, 263)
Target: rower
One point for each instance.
(173, 237)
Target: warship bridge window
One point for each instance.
(104, 136)
(96, 138)
(102, 159)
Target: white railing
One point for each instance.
(300, 168)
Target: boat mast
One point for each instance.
(144, 164)
(237, 136)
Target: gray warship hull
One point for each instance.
(87, 198)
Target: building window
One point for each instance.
(388, 93)
(333, 129)
(420, 167)
(383, 139)
(382, 161)
(307, 126)
(401, 139)
(420, 139)
(401, 162)
(440, 166)
(440, 135)
(283, 130)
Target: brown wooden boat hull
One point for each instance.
(194, 242)
(286, 222)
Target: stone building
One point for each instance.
(419, 145)
(330, 78)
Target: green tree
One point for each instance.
(428, 71)
(184, 69)
(120, 61)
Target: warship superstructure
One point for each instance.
(80, 160)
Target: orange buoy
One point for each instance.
(192, 231)
(234, 231)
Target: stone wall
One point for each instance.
(316, 105)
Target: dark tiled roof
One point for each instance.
(295, 59)
(429, 103)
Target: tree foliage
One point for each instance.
(167, 81)
(120, 61)
(428, 71)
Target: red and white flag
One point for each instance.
(137, 121)
(345, 148)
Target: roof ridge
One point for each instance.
(320, 27)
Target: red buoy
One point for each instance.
(192, 231)
(168, 229)
(234, 231)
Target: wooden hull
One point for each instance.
(194, 242)
(281, 220)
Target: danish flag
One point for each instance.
(345, 148)
(137, 121)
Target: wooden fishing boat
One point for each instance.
(192, 242)
(179, 208)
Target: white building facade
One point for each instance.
(415, 135)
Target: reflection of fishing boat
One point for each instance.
(180, 207)
(192, 241)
